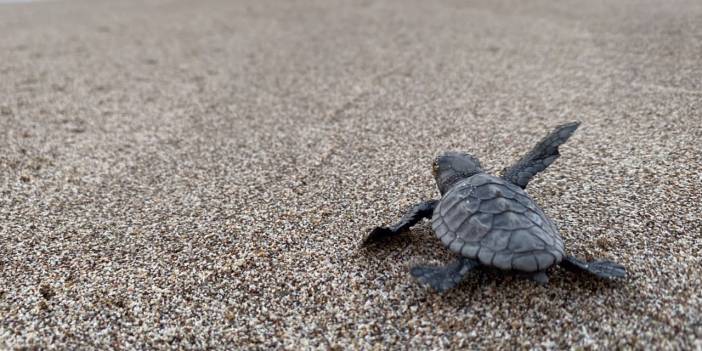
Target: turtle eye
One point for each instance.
(435, 167)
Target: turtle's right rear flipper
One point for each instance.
(540, 157)
(602, 269)
(413, 216)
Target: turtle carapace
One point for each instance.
(491, 221)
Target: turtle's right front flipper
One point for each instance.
(540, 157)
(413, 216)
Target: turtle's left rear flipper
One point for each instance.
(540, 157)
(443, 278)
(602, 269)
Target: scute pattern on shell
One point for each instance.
(489, 219)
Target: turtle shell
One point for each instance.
(488, 219)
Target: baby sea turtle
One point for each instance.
(491, 221)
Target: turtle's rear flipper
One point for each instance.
(602, 269)
(413, 216)
(446, 277)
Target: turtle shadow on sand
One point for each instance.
(419, 242)
(489, 288)
(491, 221)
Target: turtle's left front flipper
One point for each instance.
(602, 269)
(413, 216)
(540, 157)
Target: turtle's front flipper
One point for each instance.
(602, 269)
(413, 216)
(446, 277)
(540, 157)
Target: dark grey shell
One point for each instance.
(495, 222)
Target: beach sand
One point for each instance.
(181, 174)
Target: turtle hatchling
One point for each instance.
(491, 221)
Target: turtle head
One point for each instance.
(451, 167)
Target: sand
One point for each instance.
(181, 174)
